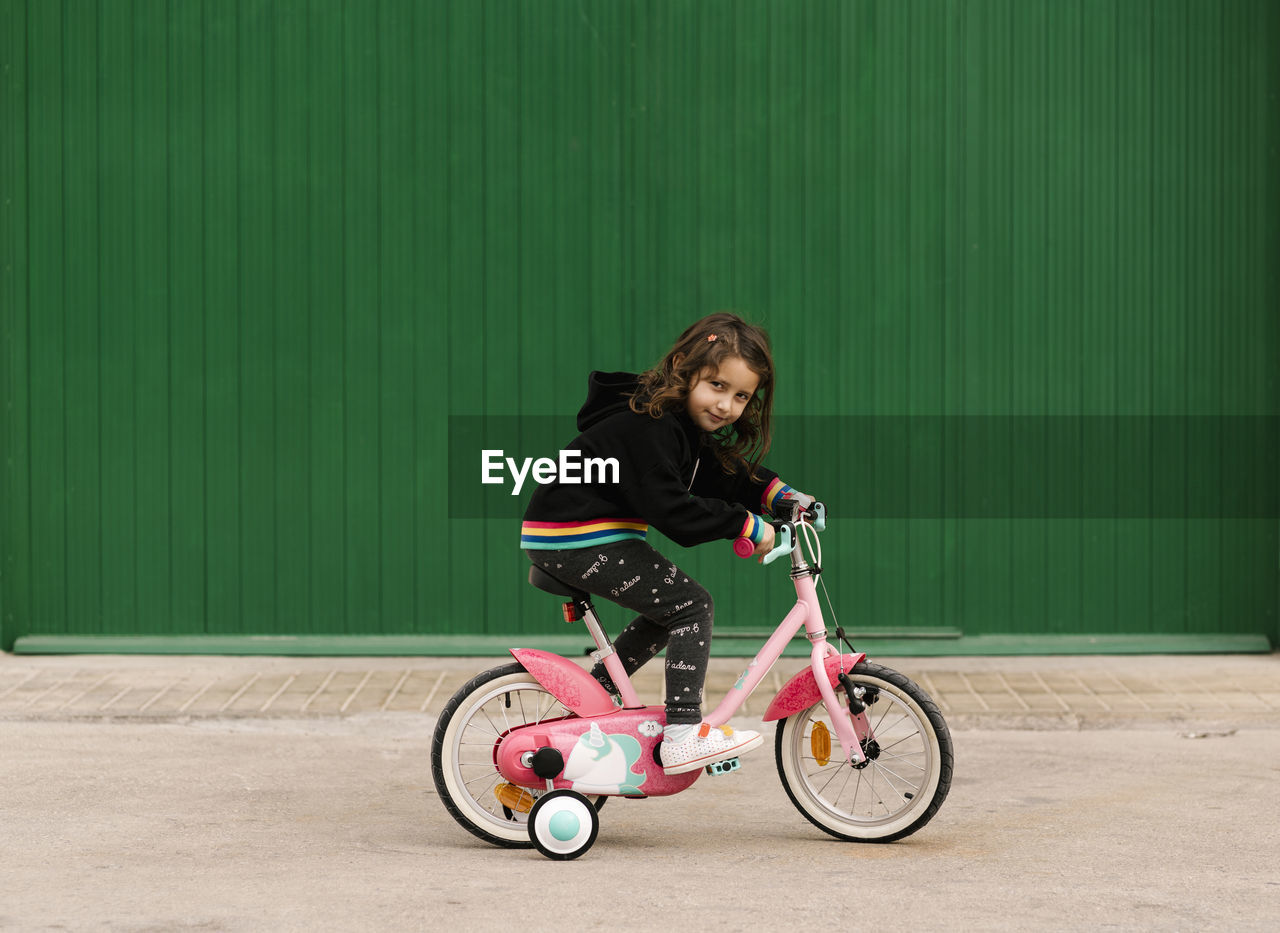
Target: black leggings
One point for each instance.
(675, 613)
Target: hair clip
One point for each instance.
(711, 338)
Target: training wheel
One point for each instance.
(563, 824)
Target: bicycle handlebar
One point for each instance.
(817, 514)
(744, 547)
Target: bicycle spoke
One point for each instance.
(885, 748)
(551, 705)
(848, 773)
(903, 759)
(883, 713)
(880, 727)
(506, 722)
(888, 775)
(492, 725)
(835, 772)
(857, 788)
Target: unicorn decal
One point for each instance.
(604, 764)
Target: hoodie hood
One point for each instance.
(607, 394)
(610, 393)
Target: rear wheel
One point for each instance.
(463, 764)
(904, 780)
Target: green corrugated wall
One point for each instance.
(255, 254)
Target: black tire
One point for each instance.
(898, 791)
(462, 764)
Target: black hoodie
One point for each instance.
(669, 477)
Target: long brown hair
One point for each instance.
(666, 386)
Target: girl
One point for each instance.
(688, 436)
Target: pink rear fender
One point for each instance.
(571, 685)
(801, 691)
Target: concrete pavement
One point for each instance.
(295, 794)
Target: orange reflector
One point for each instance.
(514, 798)
(820, 740)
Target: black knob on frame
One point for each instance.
(547, 763)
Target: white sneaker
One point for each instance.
(706, 746)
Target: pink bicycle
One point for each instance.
(525, 755)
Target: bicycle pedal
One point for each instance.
(724, 767)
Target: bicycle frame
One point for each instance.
(792, 698)
(582, 695)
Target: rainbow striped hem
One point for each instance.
(753, 528)
(555, 536)
(774, 493)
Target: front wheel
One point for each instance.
(906, 776)
(463, 765)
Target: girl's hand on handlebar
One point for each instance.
(765, 544)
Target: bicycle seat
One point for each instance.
(549, 584)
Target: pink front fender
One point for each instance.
(571, 685)
(801, 691)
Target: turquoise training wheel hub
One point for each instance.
(564, 826)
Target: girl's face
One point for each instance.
(718, 398)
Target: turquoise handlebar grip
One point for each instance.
(786, 542)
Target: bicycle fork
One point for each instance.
(851, 725)
(850, 718)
